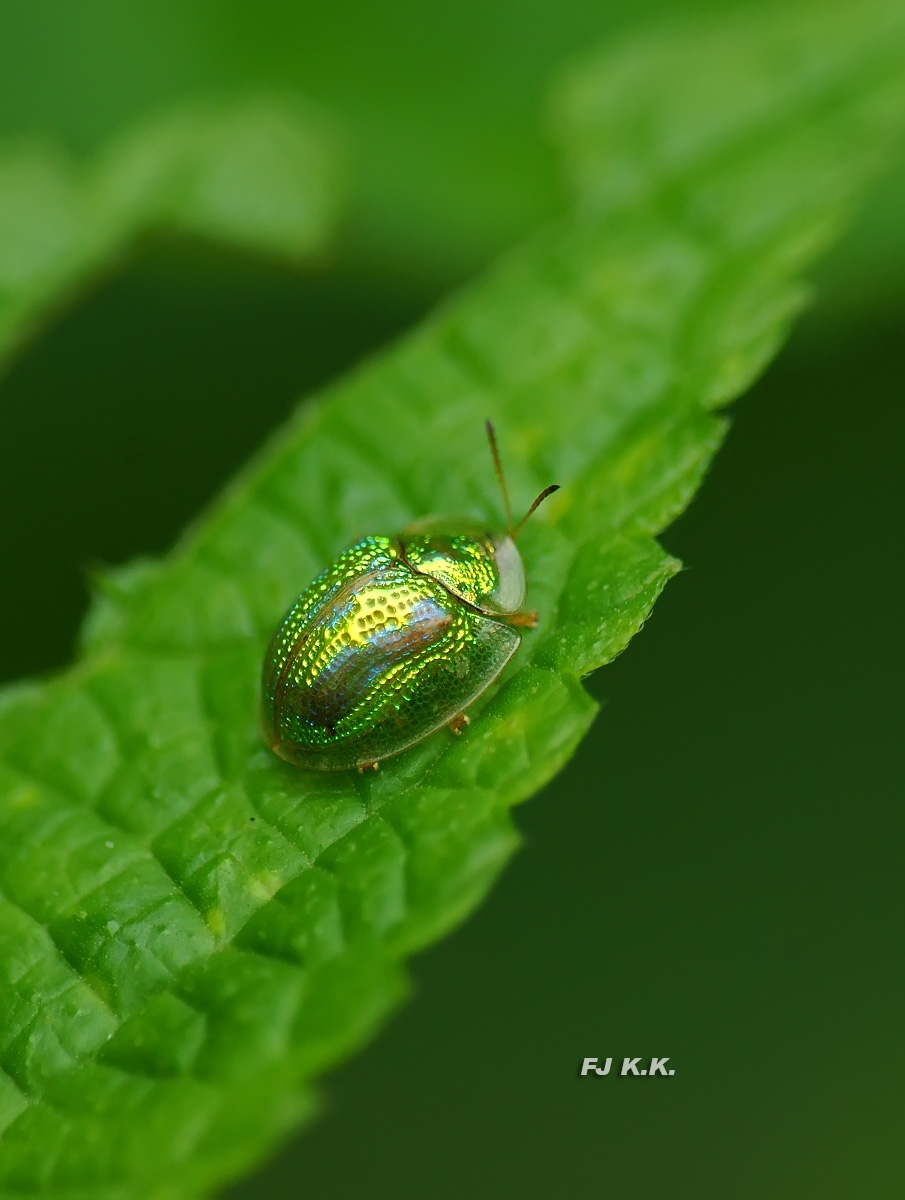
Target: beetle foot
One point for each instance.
(371, 766)
(457, 724)
(527, 619)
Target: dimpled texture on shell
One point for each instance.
(482, 568)
(373, 657)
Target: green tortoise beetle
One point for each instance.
(395, 640)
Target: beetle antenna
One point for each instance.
(498, 467)
(548, 491)
(513, 530)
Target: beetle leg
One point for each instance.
(371, 766)
(526, 619)
(457, 724)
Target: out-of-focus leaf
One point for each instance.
(443, 120)
(261, 174)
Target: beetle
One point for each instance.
(395, 639)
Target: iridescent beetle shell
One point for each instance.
(393, 641)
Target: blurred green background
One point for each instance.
(716, 877)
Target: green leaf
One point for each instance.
(190, 930)
(259, 173)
